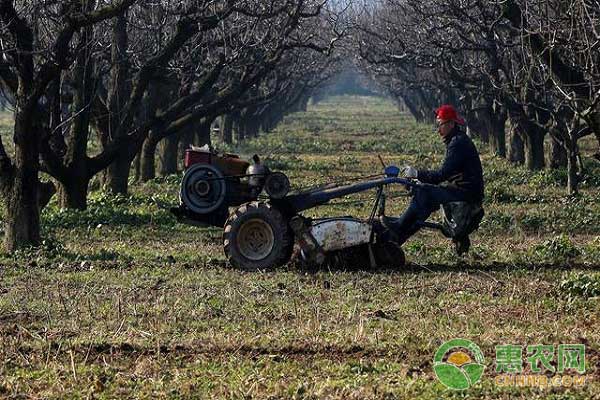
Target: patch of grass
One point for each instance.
(107, 209)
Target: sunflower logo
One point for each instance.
(458, 364)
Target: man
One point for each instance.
(461, 175)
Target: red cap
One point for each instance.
(448, 113)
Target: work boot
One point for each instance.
(399, 229)
(462, 245)
(385, 224)
(383, 230)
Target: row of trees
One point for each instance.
(531, 65)
(99, 86)
(138, 76)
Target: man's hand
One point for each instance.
(410, 172)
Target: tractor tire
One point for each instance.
(257, 236)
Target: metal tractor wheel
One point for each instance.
(257, 236)
(203, 189)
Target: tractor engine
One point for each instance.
(213, 182)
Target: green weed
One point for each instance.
(580, 284)
(558, 248)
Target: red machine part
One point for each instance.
(196, 157)
(229, 164)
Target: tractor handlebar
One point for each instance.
(304, 201)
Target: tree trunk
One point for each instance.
(74, 193)
(22, 211)
(498, 142)
(498, 132)
(167, 155)
(147, 157)
(593, 122)
(22, 225)
(116, 177)
(413, 108)
(303, 106)
(74, 184)
(265, 121)
(572, 165)
(227, 129)
(532, 135)
(557, 155)
(534, 150)
(239, 129)
(516, 150)
(45, 193)
(187, 139)
(202, 136)
(482, 124)
(426, 102)
(251, 127)
(572, 177)
(137, 165)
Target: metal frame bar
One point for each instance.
(304, 201)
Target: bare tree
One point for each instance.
(36, 39)
(561, 43)
(537, 68)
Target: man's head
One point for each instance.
(446, 119)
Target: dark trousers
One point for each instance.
(426, 199)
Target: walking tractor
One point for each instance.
(261, 234)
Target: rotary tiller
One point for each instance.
(260, 234)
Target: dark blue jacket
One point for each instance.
(461, 168)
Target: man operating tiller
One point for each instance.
(459, 179)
